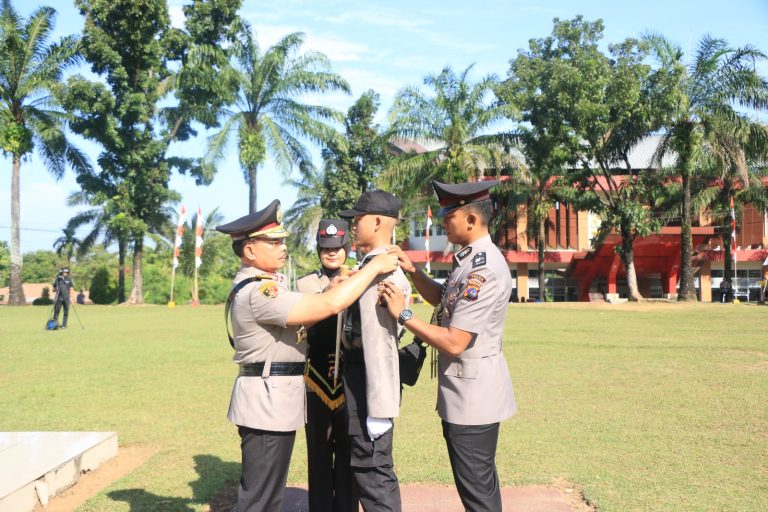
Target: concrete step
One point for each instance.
(36, 466)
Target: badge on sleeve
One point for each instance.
(269, 289)
(472, 291)
(478, 260)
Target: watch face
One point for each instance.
(405, 315)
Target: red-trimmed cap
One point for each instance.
(264, 223)
(332, 234)
(452, 196)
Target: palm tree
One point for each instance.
(731, 177)
(707, 99)
(31, 68)
(99, 217)
(456, 118)
(67, 244)
(266, 116)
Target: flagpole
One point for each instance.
(176, 245)
(198, 256)
(733, 250)
(427, 231)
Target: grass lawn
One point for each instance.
(650, 407)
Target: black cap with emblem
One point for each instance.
(452, 196)
(332, 234)
(261, 224)
(374, 202)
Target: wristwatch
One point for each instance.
(405, 315)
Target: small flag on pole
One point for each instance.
(426, 237)
(179, 233)
(733, 231)
(199, 238)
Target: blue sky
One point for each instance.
(384, 46)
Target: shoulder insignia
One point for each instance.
(478, 260)
(269, 290)
(464, 253)
(314, 273)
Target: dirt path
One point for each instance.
(561, 496)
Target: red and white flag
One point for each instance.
(426, 237)
(733, 231)
(179, 233)
(199, 238)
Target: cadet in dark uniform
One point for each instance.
(331, 488)
(474, 386)
(268, 397)
(62, 286)
(371, 370)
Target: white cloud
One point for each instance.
(337, 50)
(177, 16)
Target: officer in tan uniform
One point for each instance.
(331, 487)
(371, 372)
(474, 387)
(268, 397)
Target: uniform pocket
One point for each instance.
(462, 370)
(287, 382)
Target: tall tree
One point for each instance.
(31, 67)
(131, 44)
(589, 109)
(732, 173)
(267, 115)
(67, 244)
(457, 117)
(100, 216)
(709, 96)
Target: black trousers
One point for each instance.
(57, 308)
(265, 458)
(331, 488)
(371, 460)
(472, 452)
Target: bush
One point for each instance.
(44, 299)
(103, 288)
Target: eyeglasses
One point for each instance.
(274, 242)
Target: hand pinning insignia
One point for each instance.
(269, 290)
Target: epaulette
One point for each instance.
(315, 273)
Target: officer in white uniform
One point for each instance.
(474, 387)
(268, 400)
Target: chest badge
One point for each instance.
(464, 253)
(301, 335)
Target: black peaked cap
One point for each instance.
(375, 202)
(264, 223)
(452, 196)
(332, 234)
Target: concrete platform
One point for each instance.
(36, 466)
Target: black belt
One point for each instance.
(276, 369)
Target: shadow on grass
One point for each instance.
(216, 486)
